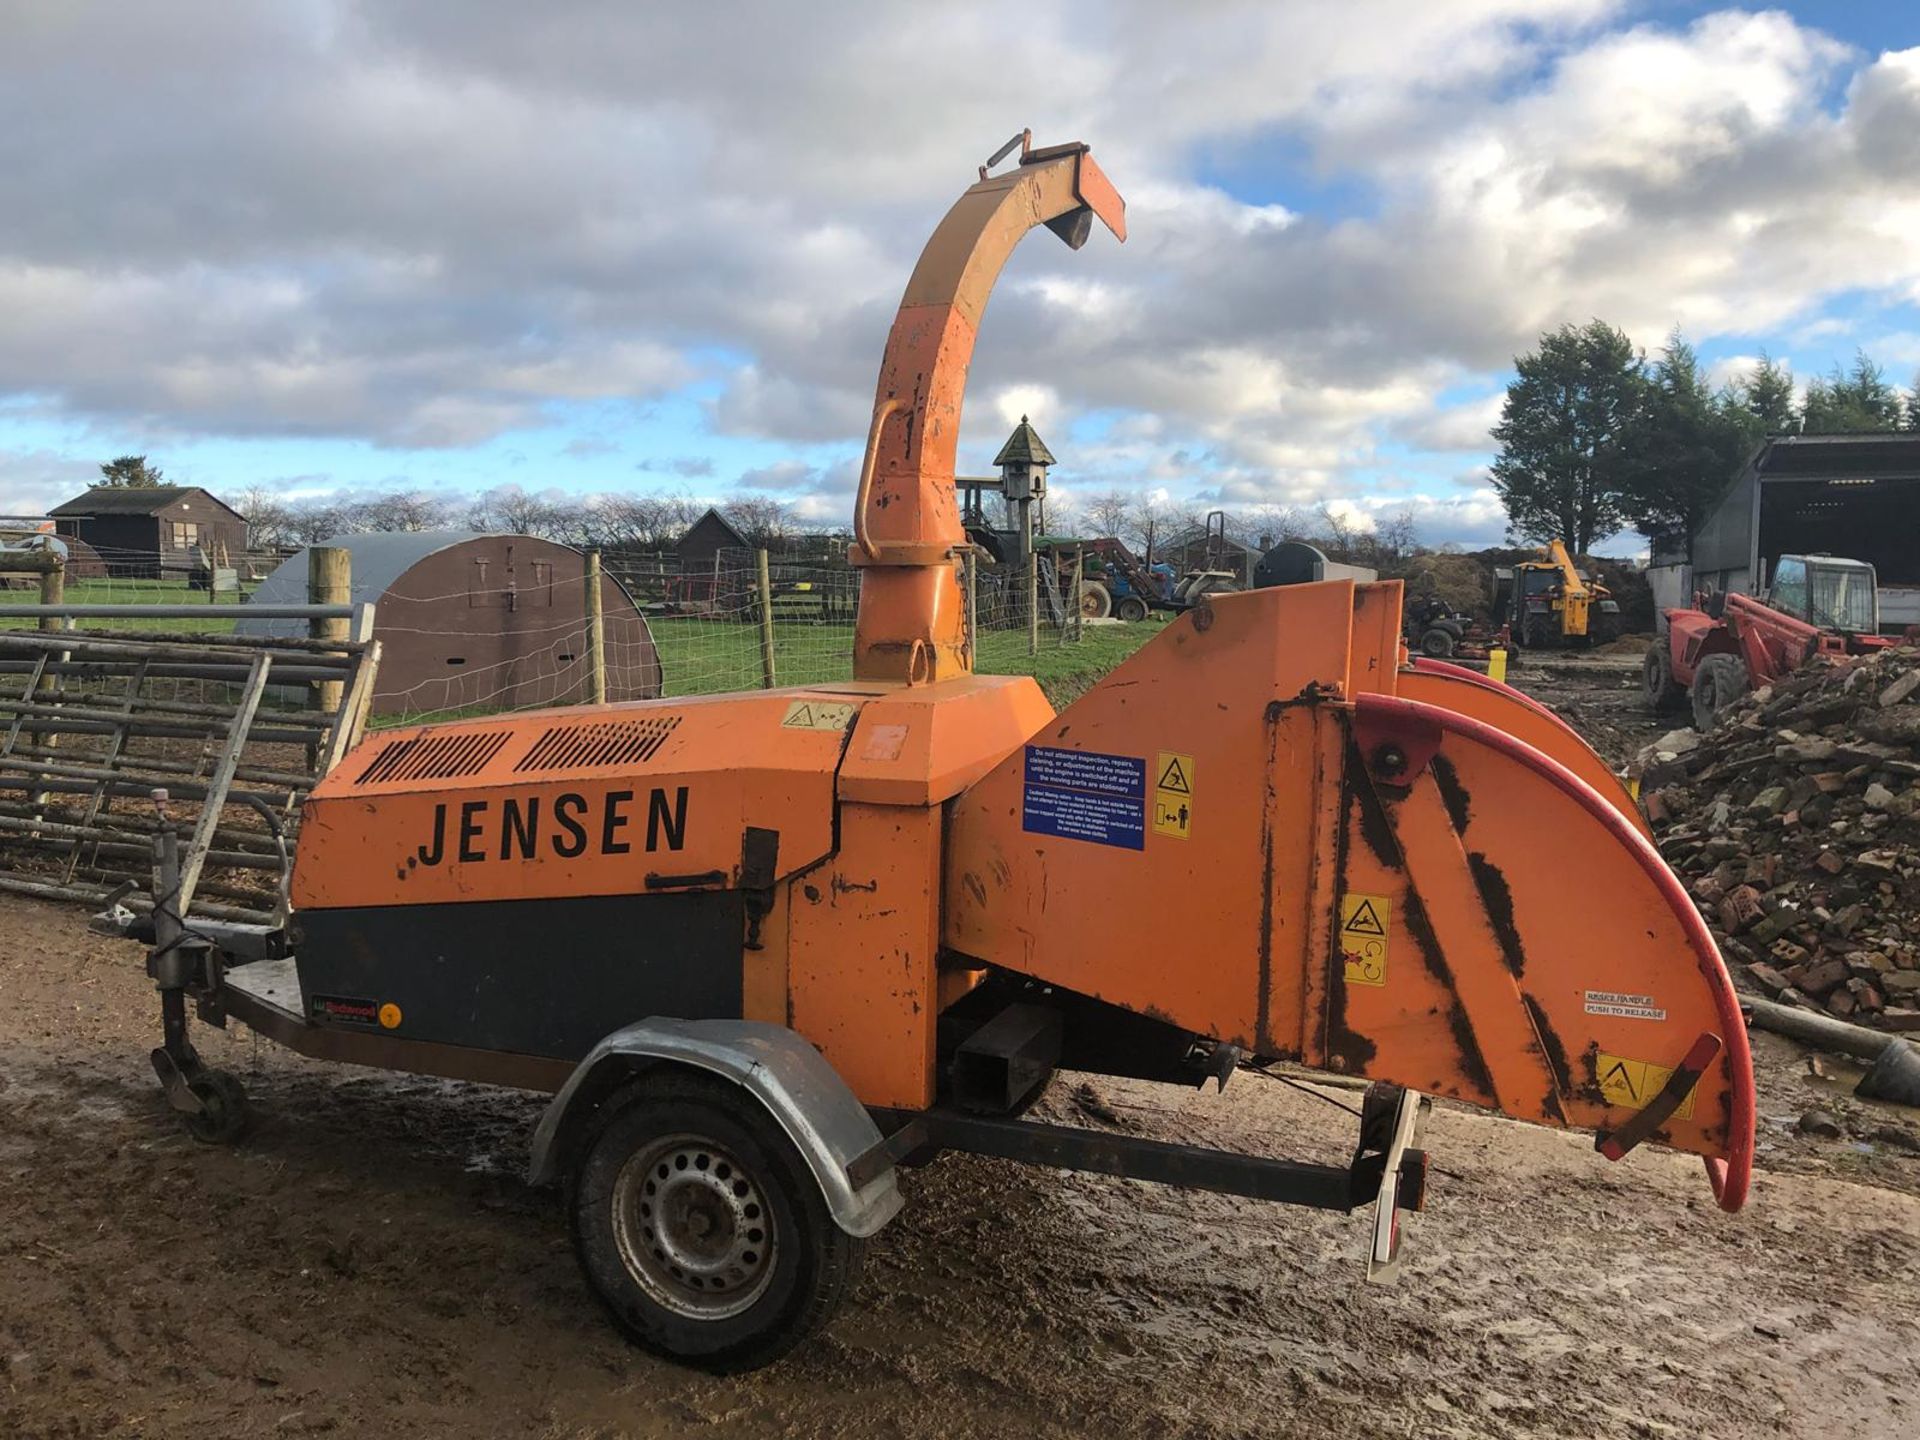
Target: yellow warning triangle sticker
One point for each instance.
(1174, 778)
(799, 718)
(1618, 1077)
(1364, 921)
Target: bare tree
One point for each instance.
(268, 517)
(1267, 524)
(1335, 531)
(404, 510)
(507, 509)
(645, 521)
(1396, 536)
(1108, 512)
(311, 522)
(764, 522)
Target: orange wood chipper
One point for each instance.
(766, 947)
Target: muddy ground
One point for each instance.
(369, 1263)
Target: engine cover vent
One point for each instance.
(435, 757)
(589, 747)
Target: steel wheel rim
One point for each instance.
(694, 1228)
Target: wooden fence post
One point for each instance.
(766, 619)
(1033, 602)
(53, 591)
(596, 633)
(1079, 579)
(329, 582)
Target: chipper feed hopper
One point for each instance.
(766, 947)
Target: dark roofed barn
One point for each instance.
(707, 537)
(470, 621)
(154, 530)
(1853, 495)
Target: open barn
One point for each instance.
(468, 621)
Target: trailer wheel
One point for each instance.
(1096, 601)
(1664, 693)
(1132, 609)
(223, 1116)
(1437, 642)
(701, 1229)
(1718, 682)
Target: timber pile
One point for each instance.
(1794, 824)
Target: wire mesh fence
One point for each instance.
(668, 626)
(718, 630)
(103, 575)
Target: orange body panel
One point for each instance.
(922, 745)
(1363, 886)
(863, 954)
(514, 808)
(1174, 929)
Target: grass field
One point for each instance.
(707, 657)
(219, 618)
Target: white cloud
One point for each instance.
(423, 225)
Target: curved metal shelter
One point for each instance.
(470, 621)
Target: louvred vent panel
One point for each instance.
(588, 747)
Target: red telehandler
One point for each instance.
(1713, 653)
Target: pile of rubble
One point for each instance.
(1794, 823)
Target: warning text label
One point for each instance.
(1084, 795)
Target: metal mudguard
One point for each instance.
(1467, 692)
(771, 1063)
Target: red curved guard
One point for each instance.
(1485, 682)
(1732, 1175)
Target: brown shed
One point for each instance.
(478, 622)
(153, 530)
(707, 537)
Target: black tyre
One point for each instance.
(1720, 680)
(702, 1230)
(1096, 601)
(1663, 693)
(224, 1115)
(1437, 642)
(1132, 609)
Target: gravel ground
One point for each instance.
(368, 1262)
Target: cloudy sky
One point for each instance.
(596, 245)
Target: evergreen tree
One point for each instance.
(1767, 395)
(1855, 399)
(1567, 436)
(131, 472)
(1687, 446)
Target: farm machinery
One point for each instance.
(1549, 602)
(1709, 655)
(766, 948)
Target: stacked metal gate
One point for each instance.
(94, 723)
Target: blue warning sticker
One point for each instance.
(1083, 795)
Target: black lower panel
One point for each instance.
(539, 977)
